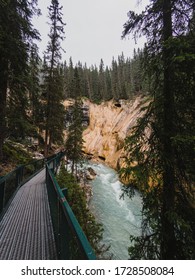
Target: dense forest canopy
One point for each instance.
(161, 148)
(123, 80)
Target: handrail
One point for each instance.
(70, 239)
(16, 178)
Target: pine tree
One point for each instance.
(95, 85)
(82, 71)
(136, 72)
(158, 147)
(114, 79)
(108, 82)
(74, 141)
(102, 82)
(69, 78)
(53, 80)
(121, 77)
(128, 78)
(34, 93)
(88, 85)
(16, 35)
(19, 124)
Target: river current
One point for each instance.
(119, 217)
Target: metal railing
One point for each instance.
(13, 180)
(71, 242)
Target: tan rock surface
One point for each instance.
(109, 126)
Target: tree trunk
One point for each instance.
(3, 92)
(168, 244)
(46, 142)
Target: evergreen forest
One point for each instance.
(160, 151)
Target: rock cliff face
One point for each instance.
(109, 125)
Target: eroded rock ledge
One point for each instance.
(109, 125)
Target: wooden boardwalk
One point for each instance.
(26, 231)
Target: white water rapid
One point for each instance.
(119, 217)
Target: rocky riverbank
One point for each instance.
(86, 175)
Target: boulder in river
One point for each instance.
(90, 174)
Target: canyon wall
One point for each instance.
(109, 125)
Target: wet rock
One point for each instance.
(90, 174)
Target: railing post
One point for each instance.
(19, 175)
(64, 236)
(65, 192)
(35, 166)
(2, 192)
(64, 233)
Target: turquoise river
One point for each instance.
(119, 217)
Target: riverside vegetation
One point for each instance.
(77, 200)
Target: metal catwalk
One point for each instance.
(26, 231)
